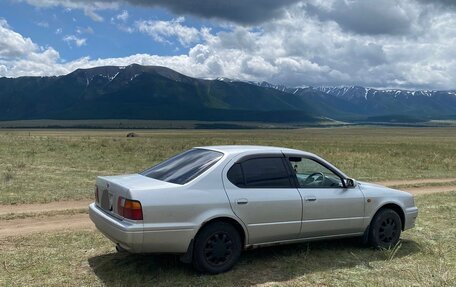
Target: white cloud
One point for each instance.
(120, 21)
(13, 44)
(162, 31)
(73, 40)
(90, 8)
(123, 16)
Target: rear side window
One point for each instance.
(184, 167)
(260, 173)
(235, 175)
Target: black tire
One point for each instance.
(385, 229)
(217, 248)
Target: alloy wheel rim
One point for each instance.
(218, 249)
(388, 230)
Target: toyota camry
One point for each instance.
(211, 203)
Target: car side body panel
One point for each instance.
(270, 214)
(332, 211)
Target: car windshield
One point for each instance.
(184, 167)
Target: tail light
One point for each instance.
(130, 209)
(97, 200)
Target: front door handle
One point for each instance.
(310, 198)
(241, 201)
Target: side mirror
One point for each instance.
(349, 182)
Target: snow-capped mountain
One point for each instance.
(159, 93)
(355, 102)
(349, 92)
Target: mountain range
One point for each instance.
(159, 93)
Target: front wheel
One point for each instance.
(217, 248)
(385, 229)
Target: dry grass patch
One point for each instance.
(425, 257)
(51, 165)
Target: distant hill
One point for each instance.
(159, 93)
(146, 92)
(424, 104)
(356, 103)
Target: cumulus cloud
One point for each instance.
(90, 8)
(237, 11)
(13, 44)
(162, 31)
(19, 56)
(73, 40)
(441, 3)
(369, 17)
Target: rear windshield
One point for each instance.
(184, 167)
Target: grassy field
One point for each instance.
(425, 257)
(38, 166)
(50, 165)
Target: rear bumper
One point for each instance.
(127, 234)
(136, 238)
(411, 214)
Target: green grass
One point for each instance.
(425, 257)
(50, 165)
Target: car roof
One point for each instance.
(251, 149)
(234, 150)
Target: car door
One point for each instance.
(263, 196)
(328, 207)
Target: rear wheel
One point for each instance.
(385, 229)
(217, 248)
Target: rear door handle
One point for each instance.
(310, 198)
(241, 201)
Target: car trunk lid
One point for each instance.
(111, 188)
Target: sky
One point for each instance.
(408, 44)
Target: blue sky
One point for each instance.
(48, 26)
(375, 43)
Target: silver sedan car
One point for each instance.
(210, 203)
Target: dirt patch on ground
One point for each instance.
(414, 181)
(422, 189)
(26, 226)
(429, 189)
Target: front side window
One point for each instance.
(260, 173)
(311, 174)
(184, 167)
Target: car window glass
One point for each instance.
(235, 175)
(184, 167)
(265, 173)
(311, 174)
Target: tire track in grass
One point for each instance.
(396, 182)
(20, 227)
